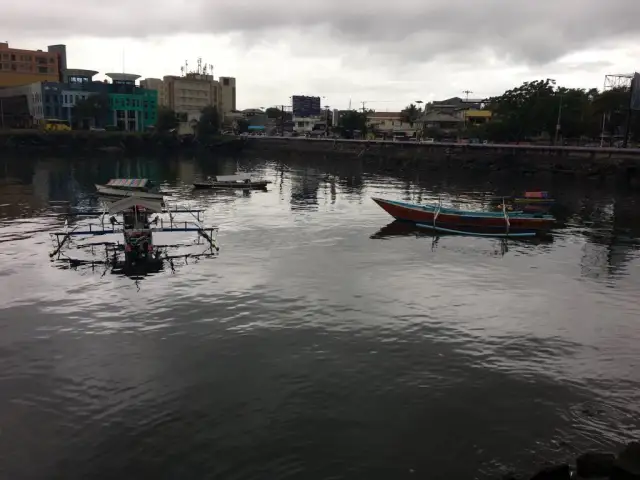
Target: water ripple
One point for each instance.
(318, 344)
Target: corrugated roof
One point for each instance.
(128, 182)
(384, 115)
(439, 117)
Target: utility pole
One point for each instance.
(555, 141)
(467, 92)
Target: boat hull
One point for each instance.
(460, 220)
(259, 185)
(106, 191)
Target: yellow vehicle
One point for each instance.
(54, 125)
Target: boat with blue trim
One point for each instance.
(451, 220)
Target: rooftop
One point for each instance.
(131, 77)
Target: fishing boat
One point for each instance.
(125, 187)
(131, 217)
(239, 181)
(465, 222)
(530, 201)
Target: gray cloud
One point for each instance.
(531, 33)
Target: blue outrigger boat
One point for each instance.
(464, 222)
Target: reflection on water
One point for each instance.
(325, 341)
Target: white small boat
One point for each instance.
(126, 187)
(244, 181)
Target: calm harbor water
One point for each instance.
(323, 342)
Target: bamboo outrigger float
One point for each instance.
(131, 217)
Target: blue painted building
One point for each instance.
(131, 108)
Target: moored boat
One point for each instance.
(242, 181)
(126, 187)
(529, 199)
(450, 220)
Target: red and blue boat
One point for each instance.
(466, 222)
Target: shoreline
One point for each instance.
(385, 155)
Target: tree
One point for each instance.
(167, 120)
(94, 108)
(353, 120)
(273, 112)
(410, 113)
(209, 123)
(525, 110)
(243, 125)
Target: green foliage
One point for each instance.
(353, 120)
(278, 114)
(411, 113)
(167, 120)
(535, 108)
(209, 123)
(94, 108)
(243, 125)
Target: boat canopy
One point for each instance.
(135, 201)
(128, 182)
(238, 177)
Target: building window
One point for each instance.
(43, 70)
(225, 82)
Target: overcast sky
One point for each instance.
(387, 53)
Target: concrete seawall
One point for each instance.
(523, 159)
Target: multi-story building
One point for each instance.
(23, 67)
(227, 94)
(192, 92)
(131, 108)
(157, 85)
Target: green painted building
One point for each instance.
(132, 108)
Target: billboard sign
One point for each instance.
(304, 106)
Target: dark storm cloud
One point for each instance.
(532, 32)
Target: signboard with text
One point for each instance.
(304, 106)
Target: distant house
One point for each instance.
(391, 124)
(467, 112)
(443, 121)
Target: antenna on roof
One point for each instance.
(467, 92)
